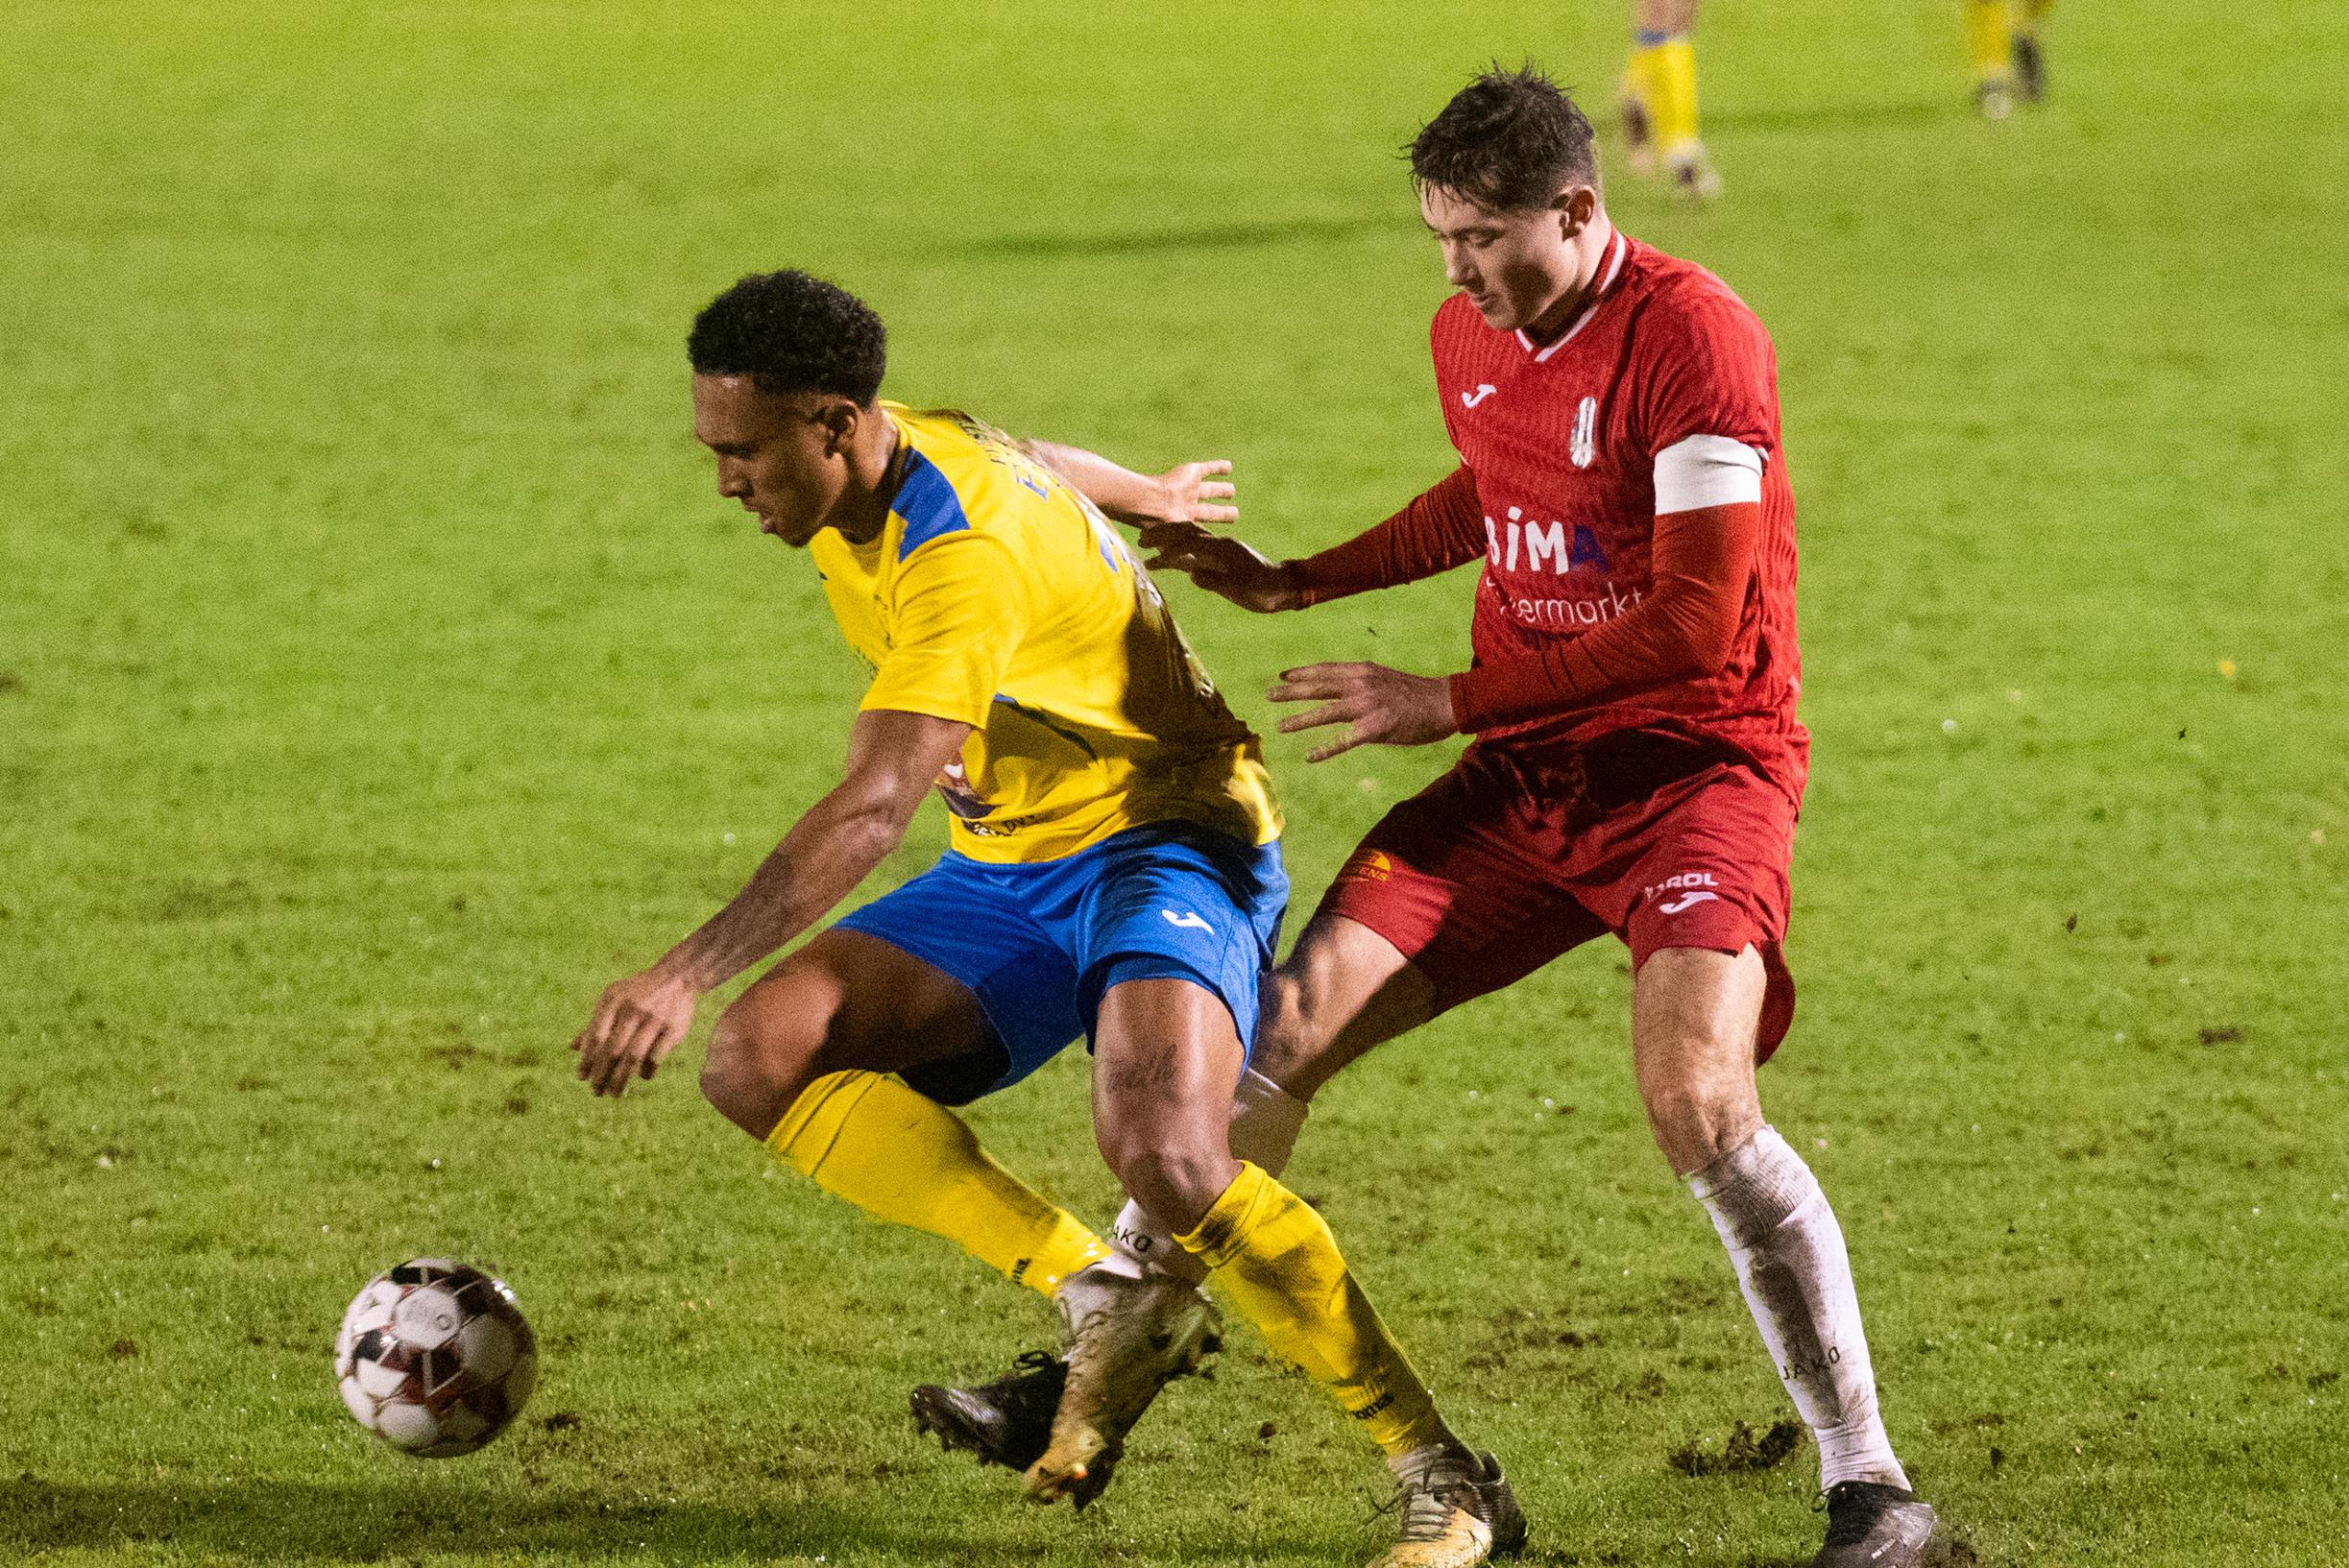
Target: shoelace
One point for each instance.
(1427, 1504)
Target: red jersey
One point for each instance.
(1556, 493)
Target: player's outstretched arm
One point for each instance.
(892, 758)
(1440, 529)
(1186, 492)
(1224, 565)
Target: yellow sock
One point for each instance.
(1663, 75)
(1989, 37)
(905, 1158)
(1274, 1256)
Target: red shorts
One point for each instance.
(1500, 865)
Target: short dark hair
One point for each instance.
(1509, 141)
(791, 332)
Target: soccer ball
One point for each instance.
(435, 1357)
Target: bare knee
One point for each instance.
(1697, 1120)
(761, 1057)
(1693, 1017)
(1176, 1176)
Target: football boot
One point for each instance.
(1872, 1526)
(1005, 1422)
(1457, 1510)
(1129, 1337)
(1690, 171)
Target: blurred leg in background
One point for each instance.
(1659, 98)
(2009, 65)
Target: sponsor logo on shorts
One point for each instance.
(1187, 920)
(1691, 888)
(1369, 866)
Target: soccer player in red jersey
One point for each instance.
(1636, 765)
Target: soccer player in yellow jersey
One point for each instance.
(1114, 871)
(1660, 99)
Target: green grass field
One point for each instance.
(379, 676)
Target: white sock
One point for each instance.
(1796, 1278)
(1265, 1122)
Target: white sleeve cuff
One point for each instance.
(1706, 471)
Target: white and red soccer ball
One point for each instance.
(435, 1357)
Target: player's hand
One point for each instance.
(1222, 564)
(1379, 706)
(637, 1023)
(1192, 493)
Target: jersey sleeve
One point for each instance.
(1705, 369)
(1685, 625)
(1440, 528)
(959, 609)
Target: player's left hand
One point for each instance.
(1193, 493)
(637, 1021)
(1379, 706)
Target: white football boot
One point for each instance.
(1128, 1337)
(1457, 1510)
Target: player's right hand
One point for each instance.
(1222, 564)
(637, 1021)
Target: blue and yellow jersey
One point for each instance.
(997, 596)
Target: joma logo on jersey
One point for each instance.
(1540, 544)
(1585, 443)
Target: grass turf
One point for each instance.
(378, 676)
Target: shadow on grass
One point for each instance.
(284, 1521)
(1840, 116)
(1213, 236)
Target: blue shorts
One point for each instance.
(1039, 943)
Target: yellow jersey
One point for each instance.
(997, 596)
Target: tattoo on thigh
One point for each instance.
(1141, 1073)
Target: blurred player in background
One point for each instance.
(1636, 766)
(2002, 37)
(1114, 873)
(1659, 98)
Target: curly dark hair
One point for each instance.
(791, 332)
(1509, 141)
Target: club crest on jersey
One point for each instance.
(1586, 444)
